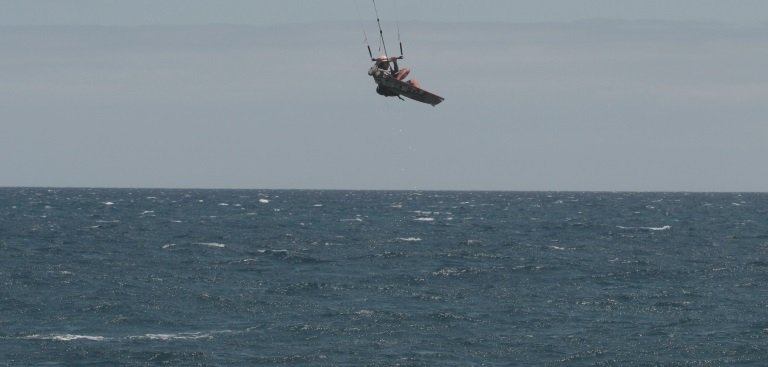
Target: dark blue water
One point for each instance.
(332, 278)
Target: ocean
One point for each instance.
(144, 277)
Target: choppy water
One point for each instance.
(332, 278)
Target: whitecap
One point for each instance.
(425, 219)
(65, 337)
(264, 251)
(264, 201)
(108, 203)
(449, 272)
(223, 204)
(409, 239)
(280, 253)
(318, 205)
(177, 336)
(663, 228)
(169, 245)
(211, 244)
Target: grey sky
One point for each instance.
(259, 12)
(575, 104)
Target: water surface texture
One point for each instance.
(110, 277)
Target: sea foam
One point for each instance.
(65, 337)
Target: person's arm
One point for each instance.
(396, 68)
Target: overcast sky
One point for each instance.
(540, 95)
(259, 12)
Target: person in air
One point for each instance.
(381, 69)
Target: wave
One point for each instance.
(663, 228)
(208, 244)
(409, 239)
(270, 251)
(454, 271)
(289, 256)
(175, 336)
(65, 337)
(357, 219)
(211, 244)
(148, 336)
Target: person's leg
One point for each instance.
(402, 73)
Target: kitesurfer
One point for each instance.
(390, 79)
(382, 69)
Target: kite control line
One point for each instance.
(381, 33)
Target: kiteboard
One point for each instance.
(409, 91)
